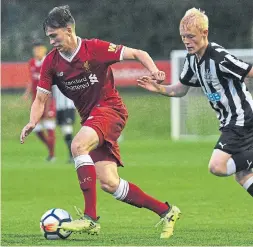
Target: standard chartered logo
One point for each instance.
(82, 83)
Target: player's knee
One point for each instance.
(109, 185)
(85, 141)
(217, 168)
(79, 147)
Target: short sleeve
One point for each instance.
(188, 76)
(106, 52)
(46, 76)
(234, 67)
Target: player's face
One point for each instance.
(195, 41)
(58, 38)
(39, 51)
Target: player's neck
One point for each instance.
(202, 51)
(73, 44)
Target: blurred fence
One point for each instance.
(16, 75)
(149, 25)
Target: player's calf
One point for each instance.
(245, 179)
(107, 175)
(109, 186)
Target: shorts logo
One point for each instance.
(86, 67)
(249, 163)
(222, 145)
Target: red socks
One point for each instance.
(51, 141)
(48, 139)
(131, 194)
(87, 179)
(42, 136)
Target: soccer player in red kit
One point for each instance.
(47, 121)
(81, 70)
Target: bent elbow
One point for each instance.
(140, 53)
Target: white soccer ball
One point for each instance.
(51, 220)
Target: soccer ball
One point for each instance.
(51, 220)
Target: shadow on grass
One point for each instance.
(38, 239)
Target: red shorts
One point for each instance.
(108, 123)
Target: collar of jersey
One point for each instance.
(70, 58)
(205, 54)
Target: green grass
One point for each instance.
(200, 117)
(216, 211)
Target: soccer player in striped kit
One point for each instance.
(221, 77)
(65, 117)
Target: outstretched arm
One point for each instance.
(177, 90)
(144, 58)
(35, 115)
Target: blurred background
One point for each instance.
(146, 24)
(150, 155)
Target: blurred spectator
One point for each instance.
(45, 129)
(65, 117)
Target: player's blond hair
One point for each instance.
(194, 18)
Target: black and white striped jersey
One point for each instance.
(62, 102)
(221, 77)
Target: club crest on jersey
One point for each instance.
(86, 67)
(113, 48)
(209, 78)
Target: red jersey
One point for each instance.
(85, 77)
(34, 68)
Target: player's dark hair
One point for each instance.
(58, 17)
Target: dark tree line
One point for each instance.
(151, 25)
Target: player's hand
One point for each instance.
(26, 131)
(149, 83)
(159, 76)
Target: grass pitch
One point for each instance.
(215, 211)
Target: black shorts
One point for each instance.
(64, 117)
(235, 139)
